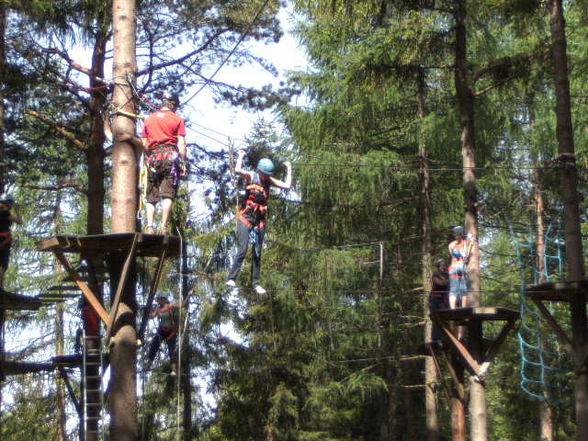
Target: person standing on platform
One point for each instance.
(7, 218)
(164, 141)
(438, 296)
(253, 215)
(459, 250)
(167, 331)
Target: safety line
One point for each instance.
(243, 36)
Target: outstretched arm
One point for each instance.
(287, 183)
(239, 165)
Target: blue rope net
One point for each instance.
(543, 364)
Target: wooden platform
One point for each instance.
(473, 318)
(73, 360)
(23, 367)
(10, 300)
(148, 245)
(565, 291)
(556, 291)
(481, 313)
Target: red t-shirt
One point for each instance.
(163, 128)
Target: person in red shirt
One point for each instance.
(164, 142)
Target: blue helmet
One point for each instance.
(266, 166)
(458, 230)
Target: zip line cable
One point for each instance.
(243, 36)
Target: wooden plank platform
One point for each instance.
(73, 360)
(24, 367)
(61, 288)
(10, 300)
(556, 291)
(148, 245)
(483, 313)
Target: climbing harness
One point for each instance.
(254, 210)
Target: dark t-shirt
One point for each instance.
(5, 222)
(440, 289)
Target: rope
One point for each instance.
(180, 334)
(540, 366)
(243, 36)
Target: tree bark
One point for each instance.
(457, 401)
(61, 398)
(545, 411)
(123, 354)
(431, 380)
(186, 353)
(95, 153)
(465, 98)
(569, 191)
(2, 87)
(2, 68)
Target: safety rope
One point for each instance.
(181, 330)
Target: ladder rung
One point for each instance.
(93, 390)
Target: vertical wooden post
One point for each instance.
(431, 417)
(123, 353)
(2, 68)
(465, 98)
(569, 192)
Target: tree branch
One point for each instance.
(60, 129)
(184, 58)
(79, 188)
(74, 65)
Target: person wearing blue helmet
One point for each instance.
(460, 250)
(252, 216)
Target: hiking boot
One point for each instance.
(259, 289)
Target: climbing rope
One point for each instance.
(541, 359)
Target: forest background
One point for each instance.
(332, 352)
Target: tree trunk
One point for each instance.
(457, 402)
(431, 380)
(569, 182)
(2, 107)
(123, 353)
(186, 353)
(2, 68)
(465, 98)
(61, 398)
(545, 411)
(95, 152)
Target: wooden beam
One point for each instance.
(86, 291)
(121, 285)
(152, 291)
(495, 346)
(440, 374)
(70, 390)
(567, 344)
(461, 350)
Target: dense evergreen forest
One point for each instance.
(411, 118)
